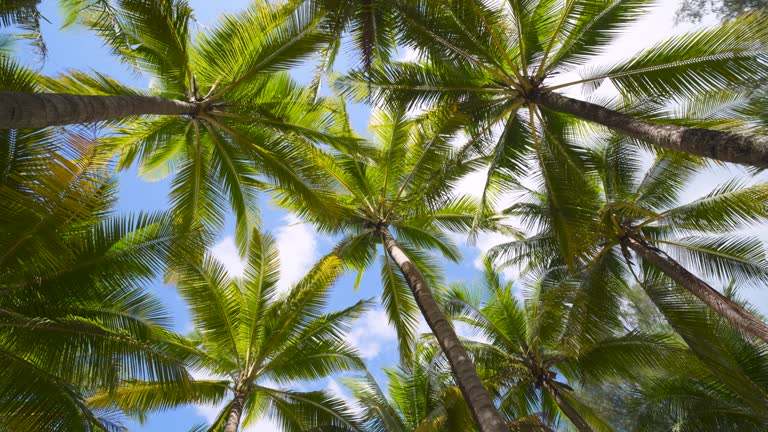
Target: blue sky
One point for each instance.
(300, 244)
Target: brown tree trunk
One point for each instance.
(235, 412)
(479, 401)
(724, 146)
(38, 110)
(723, 306)
(573, 415)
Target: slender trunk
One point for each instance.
(724, 146)
(38, 110)
(235, 412)
(478, 399)
(731, 311)
(566, 408)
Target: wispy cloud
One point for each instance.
(298, 250)
(371, 332)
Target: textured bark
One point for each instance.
(724, 146)
(479, 401)
(573, 415)
(38, 110)
(731, 311)
(233, 420)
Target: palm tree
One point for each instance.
(637, 210)
(493, 58)
(404, 191)
(420, 397)
(74, 317)
(256, 339)
(223, 115)
(155, 37)
(723, 388)
(528, 346)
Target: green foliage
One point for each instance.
(524, 347)
(420, 397)
(75, 318)
(254, 122)
(256, 339)
(404, 185)
(724, 390)
(81, 342)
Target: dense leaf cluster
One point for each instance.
(614, 321)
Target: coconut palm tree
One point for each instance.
(401, 201)
(529, 346)
(74, 317)
(639, 211)
(253, 340)
(221, 116)
(420, 397)
(155, 38)
(723, 389)
(494, 58)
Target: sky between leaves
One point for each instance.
(300, 245)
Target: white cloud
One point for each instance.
(371, 332)
(226, 252)
(472, 184)
(407, 54)
(340, 392)
(298, 250)
(209, 412)
(468, 332)
(423, 327)
(296, 241)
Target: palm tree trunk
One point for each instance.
(479, 401)
(719, 145)
(566, 408)
(38, 110)
(726, 308)
(235, 412)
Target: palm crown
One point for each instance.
(493, 59)
(257, 340)
(530, 345)
(629, 208)
(250, 119)
(406, 186)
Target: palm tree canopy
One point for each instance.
(633, 200)
(252, 121)
(627, 198)
(420, 397)
(74, 315)
(406, 185)
(722, 388)
(525, 348)
(255, 340)
(490, 59)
